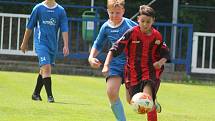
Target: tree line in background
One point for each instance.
(202, 18)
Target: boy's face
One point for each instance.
(145, 23)
(116, 14)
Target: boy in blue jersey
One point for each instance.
(111, 31)
(47, 17)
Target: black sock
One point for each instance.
(48, 85)
(39, 85)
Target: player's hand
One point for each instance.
(24, 47)
(157, 65)
(94, 62)
(105, 70)
(65, 50)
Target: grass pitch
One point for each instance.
(82, 98)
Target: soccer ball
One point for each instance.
(142, 103)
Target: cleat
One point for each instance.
(51, 99)
(36, 97)
(158, 107)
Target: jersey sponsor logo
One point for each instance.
(135, 42)
(157, 42)
(50, 11)
(114, 31)
(51, 22)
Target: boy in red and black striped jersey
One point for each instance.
(146, 54)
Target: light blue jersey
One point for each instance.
(47, 21)
(112, 34)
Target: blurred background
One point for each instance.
(187, 27)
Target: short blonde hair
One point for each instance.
(115, 3)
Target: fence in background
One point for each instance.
(182, 42)
(203, 54)
(12, 27)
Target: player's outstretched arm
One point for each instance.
(24, 45)
(94, 62)
(65, 41)
(107, 62)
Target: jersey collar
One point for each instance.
(50, 7)
(115, 26)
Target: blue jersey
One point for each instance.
(112, 34)
(47, 22)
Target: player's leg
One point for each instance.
(113, 86)
(152, 115)
(157, 104)
(128, 96)
(45, 61)
(149, 88)
(36, 94)
(46, 73)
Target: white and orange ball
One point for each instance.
(142, 103)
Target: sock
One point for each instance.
(152, 115)
(48, 85)
(118, 110)
(39, 85)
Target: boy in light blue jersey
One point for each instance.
(47, 18)
(111, 31)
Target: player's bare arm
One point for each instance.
(24, 45)
(94, 62)
(65, 40)
(160, 63)
(107, 62)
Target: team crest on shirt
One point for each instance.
(164, 44)
(157, 42)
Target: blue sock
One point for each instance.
(118, 110)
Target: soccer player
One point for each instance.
(146, 54)
(111, 31)
(47, 18)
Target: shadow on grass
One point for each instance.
(66, 103)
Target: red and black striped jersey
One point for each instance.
(141, 52)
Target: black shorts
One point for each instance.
(140, 86)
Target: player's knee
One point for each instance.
(113, 94)
(46, 71)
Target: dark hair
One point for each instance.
(146, 10)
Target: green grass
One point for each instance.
(80, 98)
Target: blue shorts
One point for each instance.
(116, 71)
(45, 57)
